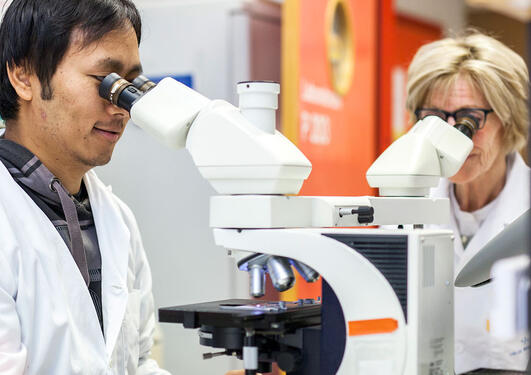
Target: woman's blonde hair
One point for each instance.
(493, 68)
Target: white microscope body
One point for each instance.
(394, 287)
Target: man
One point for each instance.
(75, 285)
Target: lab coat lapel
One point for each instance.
(53, 255)
(114, 242)
(490, 227)
(63, 281)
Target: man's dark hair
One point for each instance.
(37, 33)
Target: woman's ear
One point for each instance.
(20, 80)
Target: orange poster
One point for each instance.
(335, 96)
(330, 67)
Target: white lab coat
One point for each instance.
(475, 347)
(48, 323)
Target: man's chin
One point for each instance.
(98, 161)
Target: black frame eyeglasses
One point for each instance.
(479, 114)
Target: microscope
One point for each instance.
(387, 298)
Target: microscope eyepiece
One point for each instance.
(110, 85)
(119, 91)
(143, 83)
(468, 126)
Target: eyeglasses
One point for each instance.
(478, 114)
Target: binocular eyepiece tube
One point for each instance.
(143, 83)
(123, 93)
(468, 126)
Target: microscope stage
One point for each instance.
(246, 313)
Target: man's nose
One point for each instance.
(114, 110)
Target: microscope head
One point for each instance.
(237, 150)
(415, 162)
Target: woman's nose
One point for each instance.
(451, 120)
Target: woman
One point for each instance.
(476, 75)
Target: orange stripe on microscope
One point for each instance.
(372, 327)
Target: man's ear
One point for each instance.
(20, 80)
